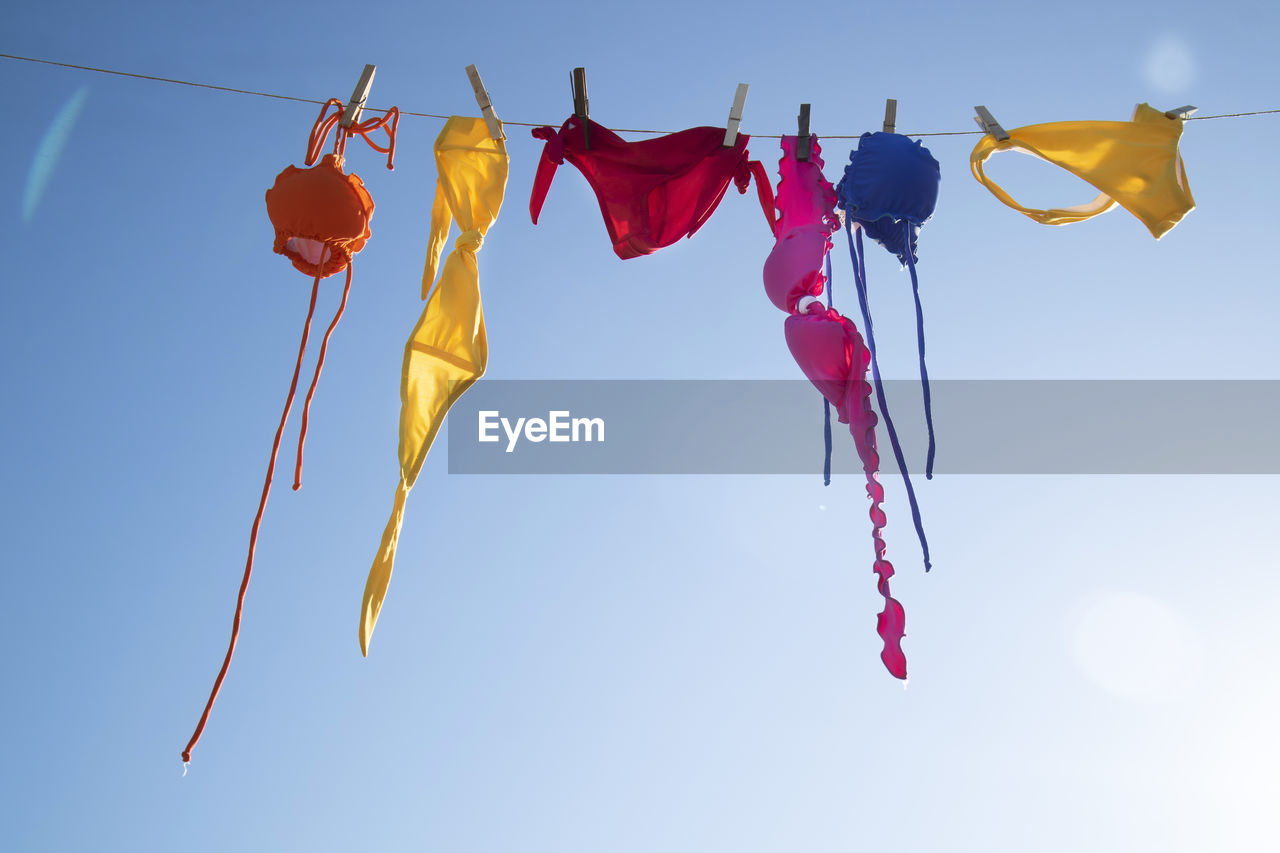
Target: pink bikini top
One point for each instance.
(828, 348)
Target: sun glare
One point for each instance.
(1138, 647)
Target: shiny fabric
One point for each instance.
(1134, 164)
(806, 219)
(654, 192)
(448, 350)
(827, 346)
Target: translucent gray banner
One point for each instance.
(776, 427)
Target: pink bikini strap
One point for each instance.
(552, 157)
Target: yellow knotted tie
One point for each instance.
(469, 241)
(448, 350)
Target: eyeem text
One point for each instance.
(558, 426)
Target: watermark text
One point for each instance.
(559, 425)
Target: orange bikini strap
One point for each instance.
(388, 121)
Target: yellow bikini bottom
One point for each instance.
(1134, 164)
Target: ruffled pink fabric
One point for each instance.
(828, 348)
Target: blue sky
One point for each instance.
(616, 663)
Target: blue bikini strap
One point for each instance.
(924, 374)
(860, 284)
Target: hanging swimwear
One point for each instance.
(321, 220)
(827, 346)
(890, 189)
(653, 192)
(1134, 164)
(448, 349)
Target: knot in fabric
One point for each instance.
(554, 149)
(469, 241)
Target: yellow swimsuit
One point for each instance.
(447, 351)
(1135, 164)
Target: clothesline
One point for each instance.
(295, 99)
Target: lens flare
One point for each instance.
(1138, 647)
(49, 152)
(1169, 65)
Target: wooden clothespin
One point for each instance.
(486, 106)
(890, 115)
(351, 114)
(988, 123)
(579, 81)
(802, 137)
(1180, 112)
(735, 116)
